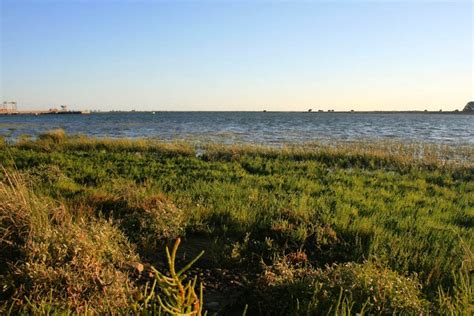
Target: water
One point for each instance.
(270, 128)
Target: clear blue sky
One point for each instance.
(222, 55)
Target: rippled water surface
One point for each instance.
(255, 127)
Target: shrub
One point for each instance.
(151, 221)
(294, 289)
(45, 254)
(148, 219)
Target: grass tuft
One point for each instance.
(46, 253)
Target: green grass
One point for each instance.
(390, 216)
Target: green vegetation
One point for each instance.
(376, 228)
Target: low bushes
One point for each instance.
(286, 288)
(148, 219)
(48, 256)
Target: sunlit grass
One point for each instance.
(407, 208)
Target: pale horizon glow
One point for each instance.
(227, 56)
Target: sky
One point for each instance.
(237, 55)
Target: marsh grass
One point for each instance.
(55, 136)
(48, 253)
(365, 288)
(373, 155)
(58, 140)
(399, 213)
(148, 219)
(56, 263)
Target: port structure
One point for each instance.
(8, 107)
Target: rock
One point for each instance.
(469, 107)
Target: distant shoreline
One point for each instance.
(276, 111)
(37, 113)
(312, 112)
